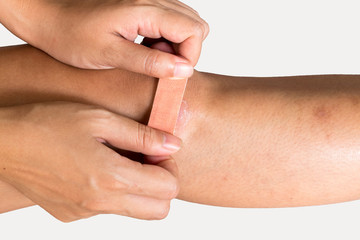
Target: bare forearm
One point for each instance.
(248, 142)
(273, 142)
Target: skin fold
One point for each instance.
(247, 142)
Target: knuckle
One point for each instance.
(65, 217)
(163, 211)
(98, 117)
(135, 188)
(127, 212)
(90, 200)
(199, 29)
(92, 203)
(99, 113)
(144, 137)
(94, 199)
(207, 29)
(152, 63)
(173, 188)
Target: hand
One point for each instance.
(55, 154)
(100, 34)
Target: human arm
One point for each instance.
(247, 142)
(102, 33)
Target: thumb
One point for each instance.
(153, 62)
(127, 134)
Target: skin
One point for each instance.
(247, 142)
(80, 183)
(102, 33)
(93, 178)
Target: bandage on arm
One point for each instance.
(250, 142)
(167, 103)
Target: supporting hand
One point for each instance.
(54, 153)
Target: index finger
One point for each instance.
(180, 29)
(156, 181)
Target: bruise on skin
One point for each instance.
(354, 100)
(322, 113)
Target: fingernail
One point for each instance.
(183, 70)
(171, 143)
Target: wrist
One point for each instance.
(14, 16)
(25, 18)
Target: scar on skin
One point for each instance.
(183, 118)
(322, 113)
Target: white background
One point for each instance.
(254, 38)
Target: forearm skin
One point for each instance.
(248, 142)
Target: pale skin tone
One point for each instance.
(101, 33)
(247, 142)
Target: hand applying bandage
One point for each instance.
(167, 101)
(100, 34)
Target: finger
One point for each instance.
(187, 31)
(157, 181)
(126, 134)
(165, 162)
(185, 9)
(140, 207)
(170, 165)
(181, 7)
(152, 62)
(174, 26)
(184, 23)
(191, 49)
(163, 45)
(186, 6)
(130, 177)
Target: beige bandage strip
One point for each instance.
(167, 103)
